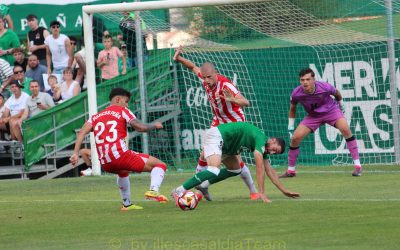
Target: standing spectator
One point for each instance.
(58, 50)
(15, 106)
(79, 58)
(127, 27)
(4, 11)
(37, 102)
(19, 58)
(55, 89)
(107, 60)
(8, 41)
(19, 76)
(36, 37)
(6, 75)
(36, 71)
(69, 88)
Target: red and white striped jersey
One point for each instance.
(224, 112)
(110, 130)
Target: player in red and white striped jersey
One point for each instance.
(226, 103)
(110, 130)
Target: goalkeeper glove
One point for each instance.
(341, 106)
(291, 127)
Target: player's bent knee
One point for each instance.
(123, 174)
(163, 166)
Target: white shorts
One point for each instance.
(212, 142)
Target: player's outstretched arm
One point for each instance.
(86, 128)
(275, 180)
(142, 127)
(185, 62)
(260, 175)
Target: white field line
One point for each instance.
(273, 200)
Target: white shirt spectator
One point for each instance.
(68, 92)
(32, 103)
(5, 70)
(16, 105)
(59, 54)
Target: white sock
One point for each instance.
(157, 176)
(180, 190)
(124, 189)
(357, 162)
(205, 184)
(291, 168)
(246, 177)
(200, 168)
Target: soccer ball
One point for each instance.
(188, 201)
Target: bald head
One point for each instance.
(207, 66)
(209, 74)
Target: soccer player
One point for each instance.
(223, 144)
(316, 99)
(226, 104)
(110, 130)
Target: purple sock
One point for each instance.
(352, 146)
(292, 156)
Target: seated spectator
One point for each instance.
(19, 76)
(69, 88)
(55, 89)
(37, 102)
(36, 71)
(14, 108)
(58, 50)
(5, 12)
(8, 41)
(36, 37)
(6, 75)
(19, 58)
(107, 60)
(3, 127)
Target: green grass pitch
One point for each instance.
(336, 211)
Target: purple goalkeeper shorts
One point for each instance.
(314, 122)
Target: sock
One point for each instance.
(292, 158)
(224, 174)
(201, 166)
(124, 189)
(200, 177)
(353, 148)
(246, 177)
(205, 184)
(157, 176)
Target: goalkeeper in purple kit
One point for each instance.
(321, 108)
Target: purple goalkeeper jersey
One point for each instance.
(316, 104)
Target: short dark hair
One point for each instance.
(281, 142)
(119, 91)
(72, 38)
(55, 22)
(31, 17)
(306, 71)
(17, 50)
(33, 81)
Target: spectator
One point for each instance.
(15, 106)
(69, 88)
(85, 153)
(36, 71)
(19, 58)
(55, 89)
(3, 127)
(127, 27)
(79, 58)
(35, 38)
(6, 75)
(8, 41)
(107, 60)
(19, 76)
(37, 102)
(58, 50)
(4, 12)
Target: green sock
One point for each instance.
(197, 179)
(223, 174)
